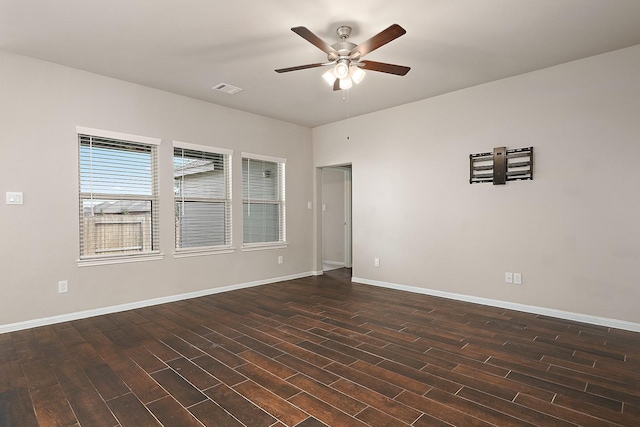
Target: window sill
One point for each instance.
(89, 262)
(187, 253)
(263, 246)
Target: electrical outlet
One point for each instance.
(508, 277)
(376, 262)
(280, 259)
(517, 278)
(63, 286)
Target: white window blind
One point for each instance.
(263, 200)
(202, 189)
(118, 197)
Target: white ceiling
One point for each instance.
(188, 46)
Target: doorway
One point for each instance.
(336, 217)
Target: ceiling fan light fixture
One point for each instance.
(357, 74)
(341, 70)
(346, 83)
(329, 77)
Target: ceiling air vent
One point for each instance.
(223, 87)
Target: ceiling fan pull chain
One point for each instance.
(345, 97)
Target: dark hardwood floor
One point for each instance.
(320, 351)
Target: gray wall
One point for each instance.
(572, 232)
(40, 106)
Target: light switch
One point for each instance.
(14, 198)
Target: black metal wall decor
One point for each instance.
(501, 165)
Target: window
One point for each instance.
(263, 199)
(118, 194)
(202, 189)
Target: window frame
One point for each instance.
(227, 247)
(153, 144)
(281, 202)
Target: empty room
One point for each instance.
(330, 213)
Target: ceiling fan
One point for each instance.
(346, 57)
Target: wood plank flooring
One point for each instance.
(320, 351)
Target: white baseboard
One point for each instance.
(332, 265)
(584, 318)
(578, 317)
(12, 327)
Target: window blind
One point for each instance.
(202, 189)
(118, 197)
(263, 201)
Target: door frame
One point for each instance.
(347, 170)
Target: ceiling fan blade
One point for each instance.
(380, 39)
(301, 67)
(336, 84)
(398, 70)
(306, 34)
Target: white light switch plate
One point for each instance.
(14, 198)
